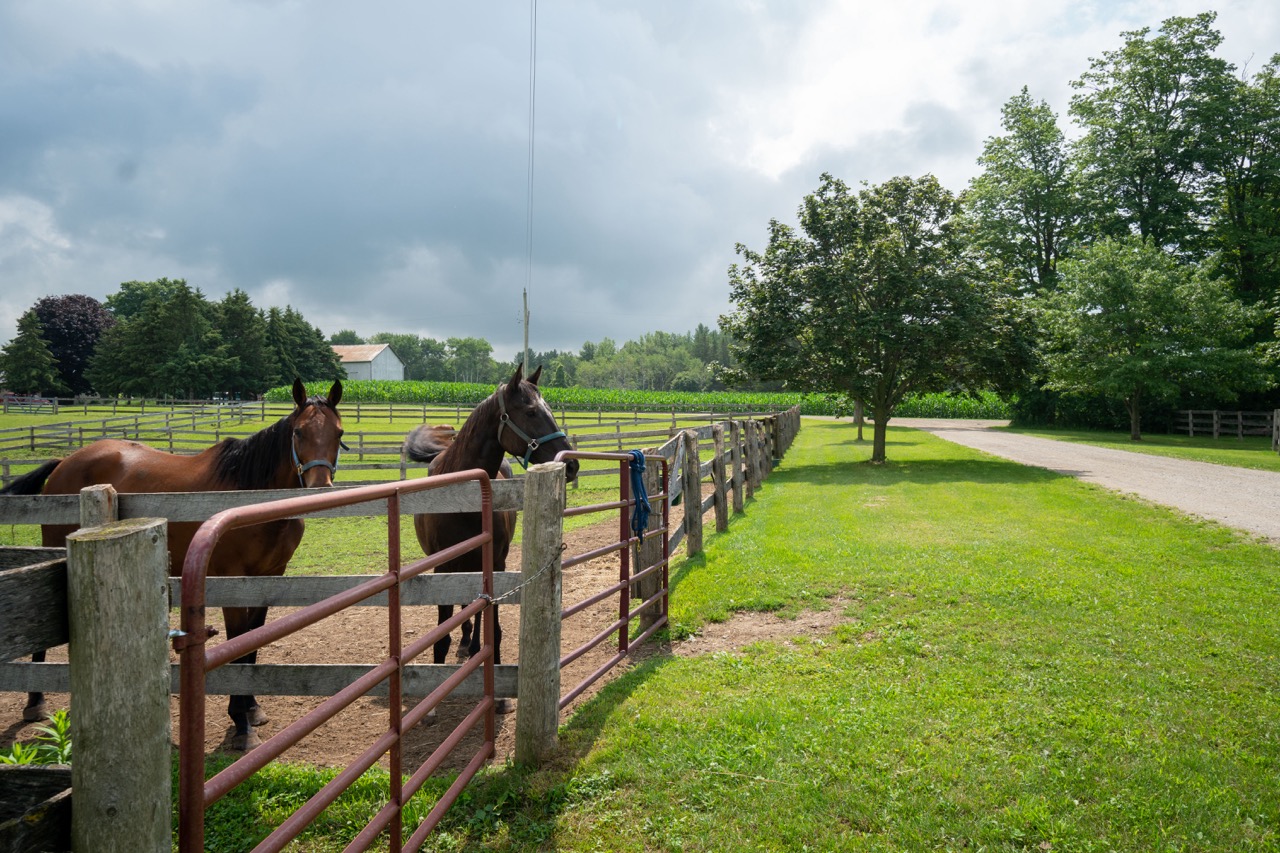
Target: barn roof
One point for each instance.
(359, 353)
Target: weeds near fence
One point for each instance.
(51, 745)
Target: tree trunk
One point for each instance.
(1133, 405)
(858, 417)
(878, 441)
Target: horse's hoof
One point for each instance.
(246, 742)
(33, 713)
(503, 706)
(257, 716)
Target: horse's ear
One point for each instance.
(514, 382)
(533, 377)
(335, 394)
(299, 392)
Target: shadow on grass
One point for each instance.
(530, 802)
(926, 472)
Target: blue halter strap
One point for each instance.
(301, 468)
(530, 444)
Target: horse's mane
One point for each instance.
(251, 463)
(464, 451)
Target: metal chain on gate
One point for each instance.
(539, 573)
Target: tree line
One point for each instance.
(162, 338)
(658, 361)
(1131, 270)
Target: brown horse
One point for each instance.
(298, 451)
(515, 420)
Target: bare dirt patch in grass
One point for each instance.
(745, 628)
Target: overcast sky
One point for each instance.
(368, 163)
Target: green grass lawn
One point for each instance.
(1248, 452)
(1024, 662)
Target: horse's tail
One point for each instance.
(425, 443)
(32, 482)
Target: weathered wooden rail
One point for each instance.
(379, 455)
(1219, 423)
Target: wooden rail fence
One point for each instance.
(738, 453)
(376, 453)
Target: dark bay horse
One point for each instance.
(513, 420)
(298, 451)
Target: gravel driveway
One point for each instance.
(1237, 497)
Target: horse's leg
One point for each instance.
(444, 612)
(243, 709)
(35, 710)
(467, 646)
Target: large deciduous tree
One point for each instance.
(1127, 320)
(1247, 223)
(872, 299)
(471, 359)
(1152, 114)
(27, 363)
(1022, 210)
(73, 325)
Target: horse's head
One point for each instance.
(527, 429)
(317, 435)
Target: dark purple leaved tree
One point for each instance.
(72, 325)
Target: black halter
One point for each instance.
(531, 444)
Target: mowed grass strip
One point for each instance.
(1252, 451)
(1025, 662)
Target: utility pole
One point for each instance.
(524, 354)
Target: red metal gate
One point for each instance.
(626, 576)
(195, 795)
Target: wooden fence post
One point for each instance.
(651, 548)
(98, 505)
(752, 466)
(118, 601)
(538, 682)
(767, 446)
(692, 488)
(717, 477)
(735, 463)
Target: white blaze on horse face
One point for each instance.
(542, 404)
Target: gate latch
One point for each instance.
(182, 640)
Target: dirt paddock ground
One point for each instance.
(358, 635)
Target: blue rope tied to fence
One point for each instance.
(640, 516)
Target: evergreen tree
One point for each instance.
(239, 321)
(299, 349)
(27, 363)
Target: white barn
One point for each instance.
(370, 361)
